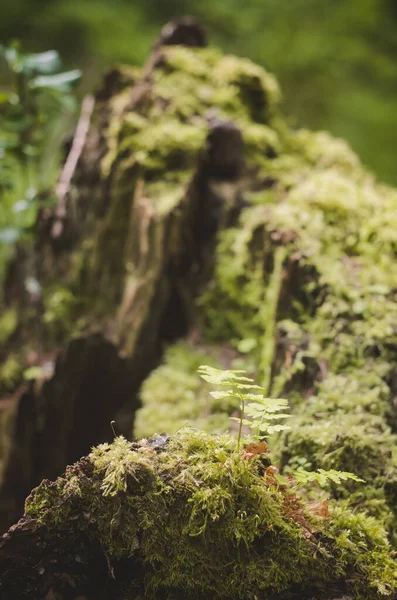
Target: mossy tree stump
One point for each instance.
(192, 205)
(113, 272)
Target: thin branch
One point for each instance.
(68, 170)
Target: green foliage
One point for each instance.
(32, 109)
(261, 412)
(37, 95)
(10, 374)
(304, 285)
(259, 409)
(323, 477)
(8, 324)
(337, 72)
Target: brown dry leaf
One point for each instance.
(247, 455)
(254, 449)
(271, 475)
(319, 509)
(294, 509)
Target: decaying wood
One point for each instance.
(88, 244)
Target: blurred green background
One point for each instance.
(336, 59)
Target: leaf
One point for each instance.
(223, 395)
(253, 386)
(269, 405)
(323, 477)
(60, 81)
(12, 56)
(271, 417)
(271, 474)
(254, 397)
(21, 206)
(43, 62)
(276, 428)
(4, 97)
(338, 475)
(9, 235)
(263, 427)
(246, 345)
(260, 448)
(217, 376)
(32, 373)
(254, 449)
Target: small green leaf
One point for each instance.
(32, 373)
(323, 477)
(43, 62)
(60, 81)
(246, 345)
(276, 428)
(4, 97)
(223, 395)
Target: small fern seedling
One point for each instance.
(322, 477)
(256, 411)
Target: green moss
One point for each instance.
(336, 293)
(167, 145)
(343, 427)
(11, 372)
(61, 309)
(203, 521)
(169, 131)
(303, 285)
(174, 396)
(359, 443)
(8, 324)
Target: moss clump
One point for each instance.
(304, 282)
(191, 88)
(174, 396)
(344, 426)
(11, 373)
(61, 307)
(359, 443)
(335, 290)
(204, 522)
(8, 324)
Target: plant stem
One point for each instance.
(242, 409)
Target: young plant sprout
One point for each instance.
(258, 413)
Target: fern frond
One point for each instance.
(223, 377)
(259, 409)
(323, 478)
